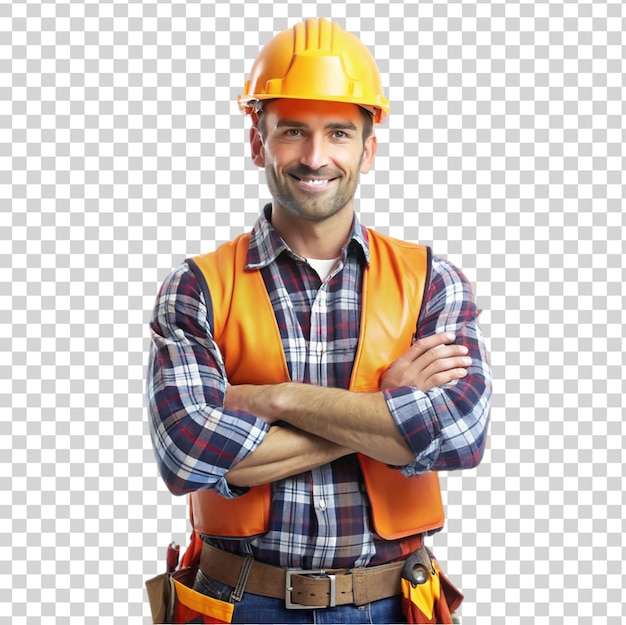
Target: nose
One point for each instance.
(314, 153)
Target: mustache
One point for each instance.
(302, 171)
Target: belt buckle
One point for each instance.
(290, 605)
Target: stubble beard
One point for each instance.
(311, 208)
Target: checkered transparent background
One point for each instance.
(122, 152)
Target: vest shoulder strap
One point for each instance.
(241, 315)
(218, 268)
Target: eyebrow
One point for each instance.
(282, 123)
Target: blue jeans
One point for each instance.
(257, 609)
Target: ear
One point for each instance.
(369, 151)
(257, 148)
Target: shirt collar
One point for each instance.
(266, 244)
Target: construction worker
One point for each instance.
(308, 380)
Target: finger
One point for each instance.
(445, 377)
(441, 352)
(421, 346)
(445, 364)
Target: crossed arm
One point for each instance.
(209, 435)
(327, 423)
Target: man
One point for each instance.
(308, 381)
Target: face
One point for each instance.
(313, 153)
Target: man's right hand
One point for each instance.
(430, 362)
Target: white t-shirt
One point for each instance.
(323, 267)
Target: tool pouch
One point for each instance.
(161, 590)
(172, 597)
(173, 600)
(428, 596)
(161, 595)
(191, 606)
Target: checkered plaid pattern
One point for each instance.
(122, 152)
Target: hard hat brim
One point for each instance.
(250, 105)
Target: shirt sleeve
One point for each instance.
(446, 426)
(196, 441)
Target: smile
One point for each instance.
(313, 183)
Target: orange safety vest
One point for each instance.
(245, 329)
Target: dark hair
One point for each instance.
(368, 122)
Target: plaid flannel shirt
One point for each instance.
(319, 518)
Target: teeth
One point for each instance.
(316, 182)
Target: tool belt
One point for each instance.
(426, 594)
(302, 588)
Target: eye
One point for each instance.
(293, 132)
(341, 135)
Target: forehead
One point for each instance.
(311, 112)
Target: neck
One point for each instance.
(313, 239)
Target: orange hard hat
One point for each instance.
(316, 60)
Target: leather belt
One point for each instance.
(303, 588)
